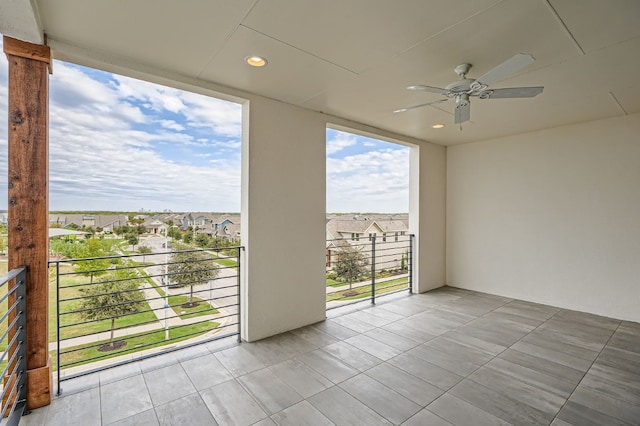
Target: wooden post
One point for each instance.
(28, 208)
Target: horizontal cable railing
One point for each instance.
(113, 310)
(13, 342)
(364, 267)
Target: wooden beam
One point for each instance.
(28, 207)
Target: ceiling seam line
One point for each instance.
(226, 39)
(618, 102)
(562, 23)
(300, 50)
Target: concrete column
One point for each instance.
(283, 218)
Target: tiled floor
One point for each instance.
(446, 357)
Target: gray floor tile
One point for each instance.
(328, 365)
(168, 383)
(239, 360)
(37, 417)
(617, 383)
(301, 378)
(620, 359)
(494, 332)
(552, 355)
(542, 400)
(353, 324)
(334, 329)
(561, 343)
(80, 384)
(159, 361)
(381, 311)
(453, 348)
(584, 318)
(373, 347)
(607, 404)
(426, 417)
(188, 410)
(461, 363)
(459, 412)
(499, 405)
(206, 371)
(272, 394)
(315, 336)
(381, 399)
(231, 404)
(543, 365)
(577, 414)
(627, 341)
(301, 414)
(426, 371)
(343, 409)
(124, 398)
(146, 418)
(473, 342)
(265, 422)
(535, 378)
(124, 371)
(409, 332)
(407, 385)
(79, 409)
(586, 332)
(528, 309)
(352, 356)
(392, 339)
(192, 352)
(518, 319)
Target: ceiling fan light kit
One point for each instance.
(464, 88)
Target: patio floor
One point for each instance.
(449, 356)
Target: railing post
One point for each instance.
(239, 304)
(410, 262)
(58, 324)
(21, 324)
(373, 270)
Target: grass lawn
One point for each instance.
(71, 357)
(334, 283)
(227, 263)
(176, 302)
(365, 291)
(68, 320)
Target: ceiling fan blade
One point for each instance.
(419, 106)
(513, 92)
(463, 112)
(428, 89)
(505, 69)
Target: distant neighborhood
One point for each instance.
(355, 230)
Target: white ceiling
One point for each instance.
(354, 58)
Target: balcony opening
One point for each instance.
(144, 199)
(368, 196)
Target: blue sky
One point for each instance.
(118, 143)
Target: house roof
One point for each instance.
(358, 57)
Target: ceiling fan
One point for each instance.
(464, 88)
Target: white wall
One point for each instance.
(551, 217)
(283, 217)
(427, 214)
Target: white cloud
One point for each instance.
(374, 181)
(172, 125)
(341, 141)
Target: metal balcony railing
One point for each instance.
(364, 267)
(114, 310)
(13, 336)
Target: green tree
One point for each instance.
(144, 250)
(350, 265)
(2, 245)
(132, 239)
(112, 300)
(87, 264)
(203, 240)
(174, 233)
(187, 238)
(190, 268)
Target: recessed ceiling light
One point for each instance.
(438, 126)
(256, 61)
